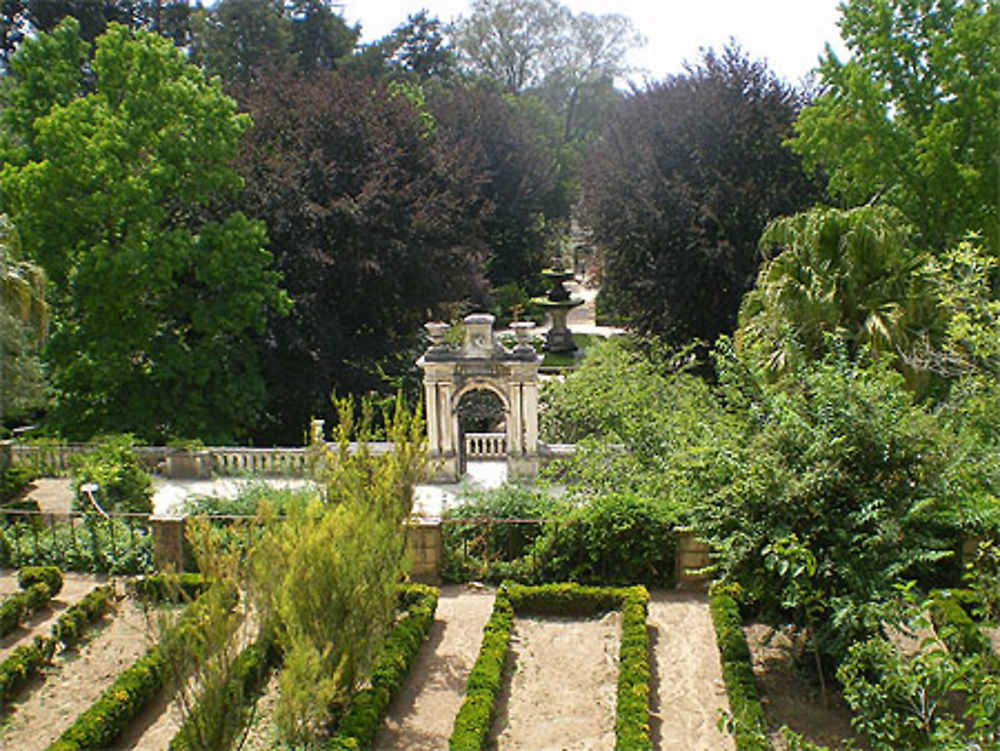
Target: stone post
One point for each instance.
(691, 557)
(317, 430)
(168, 542)
(423, 543)
(6, 453)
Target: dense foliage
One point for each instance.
(911, 117)
(154, 305)
(123, 484)
(680, 187)
(373, 222)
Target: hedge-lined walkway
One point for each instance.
(423, 713)
(76, 679)
(687, 687)
(75, 587)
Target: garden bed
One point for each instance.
(45, 708)
(482, 714)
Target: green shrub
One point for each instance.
(472, 724)
(123, 483)
(176, 588)
(51, 576)
(617, 538)
(748, 723)
(14, 479)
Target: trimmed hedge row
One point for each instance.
(103, 722)
(26, 661)
(749, 724)
(472, 724)
(169, 587)
(359, 725)
(40, 584)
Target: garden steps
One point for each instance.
(75, 588)
(421, 716)
(76, 678)
(687, 690)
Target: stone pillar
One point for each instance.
(6, 453)
(433, 433)
(317, 430)
(515, 424)
(423, 544)
(168, 542)
(690, 558)
(529, 401)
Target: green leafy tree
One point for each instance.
(686, 176)
(913, 116)
(155, 304)
(23, 324)
(417, 50)
(570, 61)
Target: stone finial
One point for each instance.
(436, 332)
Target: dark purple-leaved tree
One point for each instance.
(687, 174)
(375, 224)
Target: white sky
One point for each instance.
(789, 34)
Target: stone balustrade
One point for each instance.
(485, 446)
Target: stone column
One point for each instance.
(529, 399)
(690, 558)
(168, 542)
(515, 424)
(6, 453)
(433, 419)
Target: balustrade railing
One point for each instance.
(485, 445)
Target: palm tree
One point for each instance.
(854, 274)
(23, 321)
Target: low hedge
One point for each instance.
(40, 584)
(474, 719)
(110, 714)
(27, 661)
(51, 576)
(359, 725)
(748, 723)
(169, 587)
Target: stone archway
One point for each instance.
(481, 364)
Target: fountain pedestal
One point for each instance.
(558, 303)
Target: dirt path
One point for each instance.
(560, 695)
(75, 680)
(422, 715)
(788, 699)
(75, 586)
(686, 687)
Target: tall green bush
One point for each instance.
(123, 484)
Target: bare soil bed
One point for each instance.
(77, 678)
(75, 586)
(560, 693)
(421, 716)
(687, 691)
(789, 699)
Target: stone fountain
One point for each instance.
(558, 303)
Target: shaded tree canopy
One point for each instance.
(154, 307)
(509, 144)
(913, 117)
(416, 50)
(686, 176)
(375, 222)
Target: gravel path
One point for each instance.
(560, 694)
(423, 712)
(76, 679)
(687, 691)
